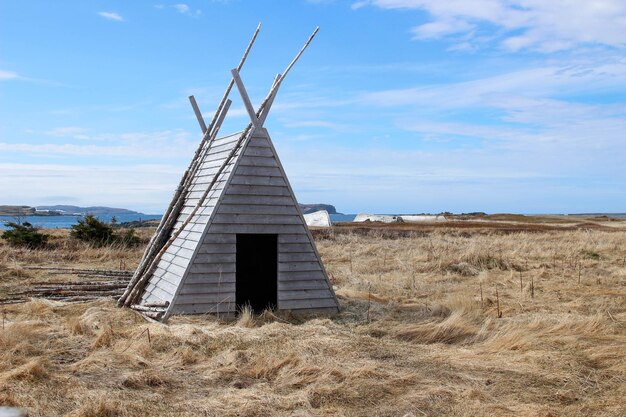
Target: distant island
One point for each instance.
(67, 210)
(312, 208)
(63, 210)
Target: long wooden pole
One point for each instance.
(171, 215)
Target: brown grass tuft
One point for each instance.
(246, 318)
(99, 407)
(104, 338)
(146, 378)
(33, 370)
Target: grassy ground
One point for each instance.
(419, 333)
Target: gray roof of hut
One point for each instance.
(173, 263)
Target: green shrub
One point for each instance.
(92, 230)
(590, 254)
(24, 234)
(129, 238)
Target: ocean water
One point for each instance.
(340, 217)
(620, 215)
(65, 222)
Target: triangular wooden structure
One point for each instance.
(234, 234)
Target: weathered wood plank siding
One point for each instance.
(176, 261)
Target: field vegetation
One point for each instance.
(487, 319)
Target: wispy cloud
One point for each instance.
(181, 8)
(14, 76)
(131, 145)
(9, 75)
(545, 26)
(68, 131)
(566, 77)
(111, 16)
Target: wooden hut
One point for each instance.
(234, 234)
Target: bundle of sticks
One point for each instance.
(95, 283)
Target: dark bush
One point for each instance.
(24, 234)
(129, 238)
(92, 230)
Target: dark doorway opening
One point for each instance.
(257, 271)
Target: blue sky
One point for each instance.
(397, 106)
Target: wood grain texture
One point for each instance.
(225, 288)
(328, 302)
(303, 294)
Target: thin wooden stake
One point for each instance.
(300, 53)
(232, 81)
(498, 302)
(532, 287)
(482, 304)
(521, 283)
(350, 260)
(198, 113)
(580, 266)
(268, 106)
(245, 98)
(369, 301)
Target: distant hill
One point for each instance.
(95, 210)
(16, 211)
(67, 210)
(311, 208)
(62, 210)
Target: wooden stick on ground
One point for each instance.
(78, 270)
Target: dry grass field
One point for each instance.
(498, 317)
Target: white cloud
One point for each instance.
(181, 8)
(439, 28)
(310, 123)
(111, 16)
(571, 76)
(9, 75)
(68, 131)
(131, 145)
(521, 24)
